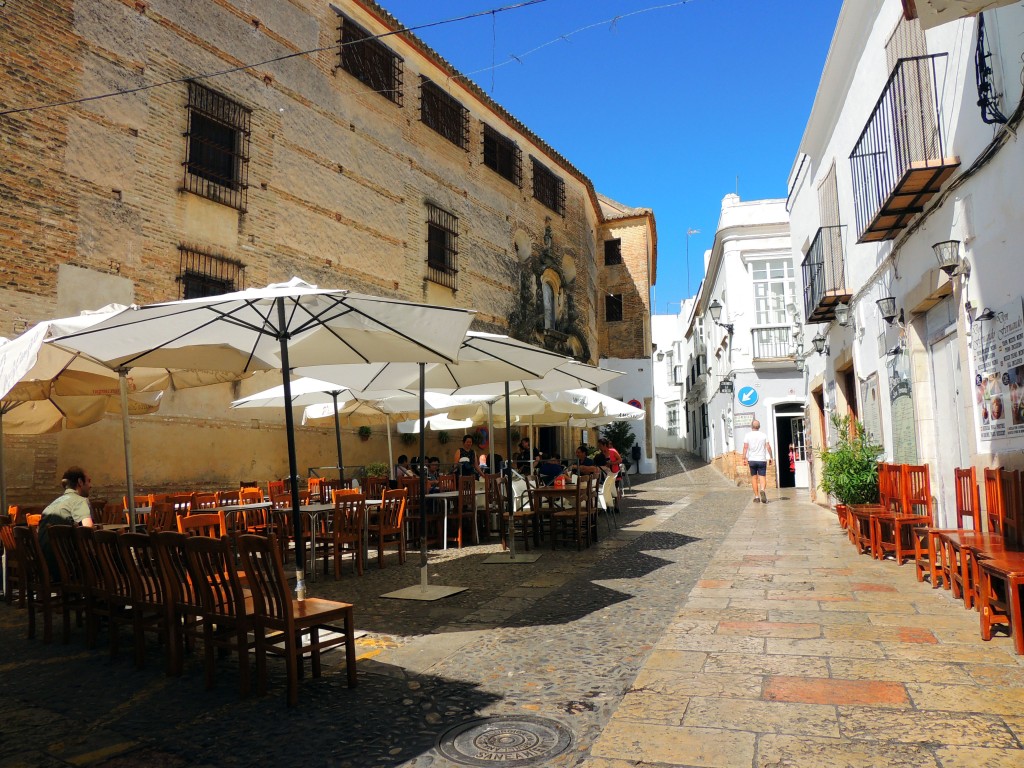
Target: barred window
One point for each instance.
(612, 252)
(548, 188)
(503, 156)
(217, 147)
(442, 247)
(673, 418)
(443, 112)
(613, 307)
(203, 274)
(369, 61)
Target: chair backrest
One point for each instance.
(69, 560)
(375, 487)
(447, 482)
(349, 513)
(113, 514)
(19, 512)
(494, 496)
(140, 501)
(250, 496)
(172, 560)
(968, 504)
(340, 493)
(212, 565)
(313, 486)
(209, 524)
(995, 510)
(96, 507)
(182, 502)
(228, 498)
(138, 553)
(607, 494)
(411, 485)
(163, 517)
(329, 486)
(7, 539)
(33, 564)
(916, 489)
(1013, 503)
(391, 512)
(89, 556)
(115, 573)
(32, 521)
(264, 572)
(201, 501)
(275, 487)
(467, 495)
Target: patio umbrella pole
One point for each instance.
(3, 483)
(122, 380)
(391, 460)
(511, 504)
(293, 472)
(337, 437)
(424, 577)
(490, 433)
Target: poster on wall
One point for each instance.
(997, 359)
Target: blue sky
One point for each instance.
(662, 109)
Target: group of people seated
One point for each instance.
(606, 461)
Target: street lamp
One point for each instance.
(820, 344)
(843, 314)
(947, 253)
(887, 309)
(715, 308)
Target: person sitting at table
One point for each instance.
(584, 464)
(402, 469)
(70, 508)
(465, 458)
(525, 456)
(550, 468)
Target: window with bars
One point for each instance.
(613, 307)
(203, 274)
(217, 147)
(442, 247)
(443, 112)
(503, 156)
(548, 188)
(612, 252)
(673, 419)
(369, 61)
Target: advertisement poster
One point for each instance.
(997, 356)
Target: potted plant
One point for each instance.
(443, 437)
(376, 469)
(850, 468)
(408, 438)
(364, 433)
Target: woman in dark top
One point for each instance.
(465, 457)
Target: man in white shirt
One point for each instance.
(757, 454)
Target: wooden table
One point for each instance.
(1006, 570)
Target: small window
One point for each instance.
(369, 61)
(613, 307)
(444, 113)
(503, 156)
(203, 274)
(612, 252)
(217, 147)
(548, 188)
(442, 246)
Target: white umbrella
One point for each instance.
(436, 423)
(280, 326)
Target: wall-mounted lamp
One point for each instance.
(896, 350)
(843, 314)
(820, 344)
(800, 364)
(887, 308)
(660, 356)
(986, 314)
(715, 308)
(947, 253)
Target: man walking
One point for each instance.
(757, 454)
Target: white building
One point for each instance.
(745, 335)
(670, 368)
(911, 155)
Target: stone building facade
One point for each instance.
(347, 159)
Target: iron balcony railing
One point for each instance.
(824, 273)
(903, 135)
(773, 342)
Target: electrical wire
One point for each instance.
(283, 57)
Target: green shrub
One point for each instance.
(850, 468)
(621, 435)
(377, 469)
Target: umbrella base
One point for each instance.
(426, 592)
(506, 559)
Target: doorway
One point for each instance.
(791, 458)
(953, 453)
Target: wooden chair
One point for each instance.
(524, 518)
(40, 593)
(19, 513)
(203, 524)
(464, 511)
(162, 517)
(229, 498)
(275, 487)
(226, 615)
(251, 496)
(387, 529)
(98, 605)
(329, 486)
(1013, 503)
(995, 508)
(326, 624)
(140, 501)
(117, 588)
(74, 589)
(112, 514)
(184, 602)
(571, 522)
(914, 508)
(968, 502)
(203, 501)
(605, 501)
(182, 502)
(15, 577)
(313, 487)
(148, 593)
(347, 529)
(375, 487)
(999, 596)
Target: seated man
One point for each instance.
(70, 508)
(550, 468)
(584, 464)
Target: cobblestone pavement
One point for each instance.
(563, 638)
(706, 631)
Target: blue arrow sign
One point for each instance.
(747, 396)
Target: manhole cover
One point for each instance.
(507, 741)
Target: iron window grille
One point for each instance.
(503, 156)
(203, 274)
(613, 307)
(444, 113)
(548, 188)
(612, 252)
(772, 342)
(678, 375)
(217, 147)
(369, 61)
(442, 247)
(673, 419)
